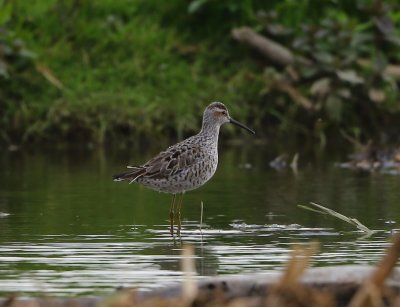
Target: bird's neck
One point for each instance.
(210, 132)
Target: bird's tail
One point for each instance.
(132, 175)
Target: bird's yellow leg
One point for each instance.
(172, 214)
(179, 206)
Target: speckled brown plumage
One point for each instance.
(186, 165)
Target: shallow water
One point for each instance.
(68, 229)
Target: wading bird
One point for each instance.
(186, 165)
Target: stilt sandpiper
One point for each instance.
(186, 165)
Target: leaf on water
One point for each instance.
(49, 76)
(349, 76)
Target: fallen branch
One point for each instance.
(271, 50)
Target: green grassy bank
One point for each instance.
(106, 71)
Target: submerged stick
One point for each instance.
(350, 220)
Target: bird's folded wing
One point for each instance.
(171, 161)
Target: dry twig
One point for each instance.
(370, 293)
(350, 220)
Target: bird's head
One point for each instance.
(217, 113)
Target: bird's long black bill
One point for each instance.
(235, 122)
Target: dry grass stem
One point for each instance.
(352, 221)
(289, 291)
(189, 286)
(371, 292)
(201, 214)
(299, 261)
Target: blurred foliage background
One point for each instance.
(118, 72)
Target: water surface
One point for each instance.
(71, 230)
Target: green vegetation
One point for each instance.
(101, 71)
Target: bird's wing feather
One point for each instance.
(134, 173)
(171, 161)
